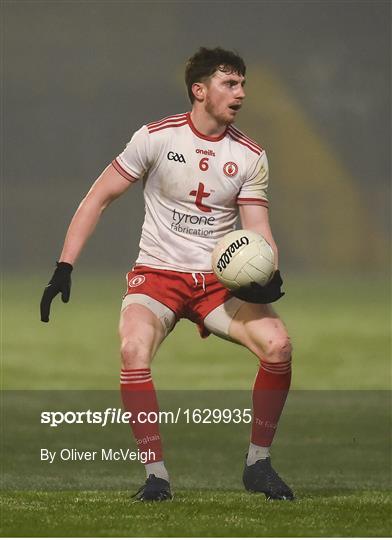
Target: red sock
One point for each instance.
(270, 390)
(138, 395)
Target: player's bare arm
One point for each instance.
(108, 187)
(256, 218)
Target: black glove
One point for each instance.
(60, 282)
(256, 294)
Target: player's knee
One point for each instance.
(134, 354)
(278, 349)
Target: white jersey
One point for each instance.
(193, 185)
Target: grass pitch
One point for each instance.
(333, 448)
(196, 513)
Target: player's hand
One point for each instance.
(60, 282)
(256, 294)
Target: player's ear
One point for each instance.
(199, 91)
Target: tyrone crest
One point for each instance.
(136, 281)
(230, 168)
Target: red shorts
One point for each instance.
(189, 295)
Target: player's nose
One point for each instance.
(240, 92)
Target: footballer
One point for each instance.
(199, 173)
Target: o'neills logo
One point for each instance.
(205, 152)
(229, 252)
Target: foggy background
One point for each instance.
(80, 77)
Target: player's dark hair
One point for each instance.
(205, 62)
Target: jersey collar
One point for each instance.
(200, 135)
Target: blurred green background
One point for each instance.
(81, 77)
(340, 330)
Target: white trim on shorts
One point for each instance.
(166, 316)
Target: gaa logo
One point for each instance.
(136, 281)
(173, 156)
(230, 168)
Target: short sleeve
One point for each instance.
(135, 159)
(254, 189)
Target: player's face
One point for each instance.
(224, 96)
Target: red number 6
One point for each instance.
(203, 164)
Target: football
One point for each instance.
(241, 257)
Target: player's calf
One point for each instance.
(270, 391)
(141, 333)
